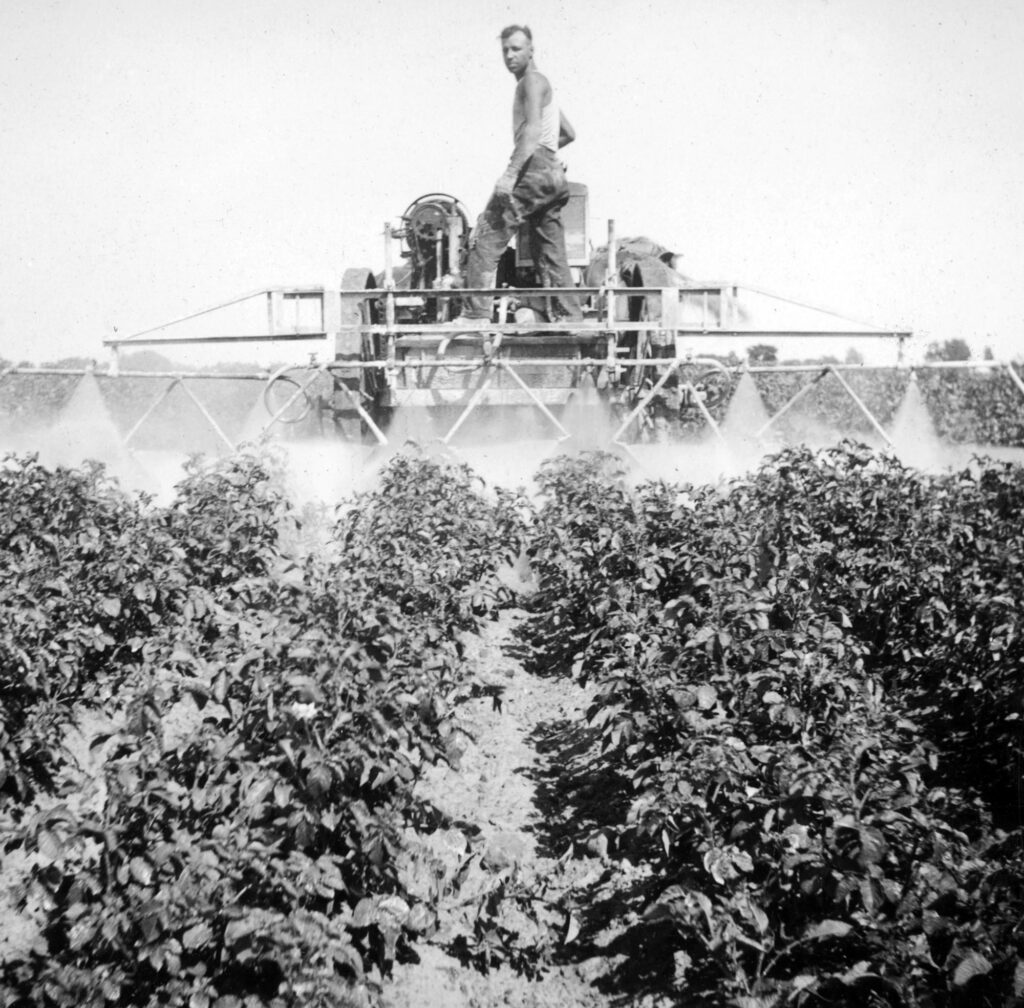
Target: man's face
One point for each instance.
(516, 51)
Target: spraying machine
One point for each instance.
(384, 363)
(378, 360)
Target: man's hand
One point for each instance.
(503, 187)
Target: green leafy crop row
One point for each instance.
(268, 714)
(809, 681)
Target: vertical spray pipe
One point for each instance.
(610, 282)
(389, 280)
(441, 305)
(389, 301)
(610, 279)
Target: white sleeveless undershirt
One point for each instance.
(549, 123)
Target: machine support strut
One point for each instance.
(790, 403)
(163, 395)
(643, 403)
(517, 378)
(702, 406)
(853, 395)
(474, 401)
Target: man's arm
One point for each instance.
(531, 88)
(566, 134)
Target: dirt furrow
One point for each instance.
(499, 832)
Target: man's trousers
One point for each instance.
(538, 196)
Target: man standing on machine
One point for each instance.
(532, 189)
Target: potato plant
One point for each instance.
(272, 712)
(807, 679)
(85, 580)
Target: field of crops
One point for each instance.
(252, 756)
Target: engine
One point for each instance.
(435, 229)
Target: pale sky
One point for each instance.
(162, 155)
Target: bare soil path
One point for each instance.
(518, 804)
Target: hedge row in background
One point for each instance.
(976, 406)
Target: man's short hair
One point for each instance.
(513, 28)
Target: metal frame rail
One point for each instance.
(671, 308)
(490, 367)
(333, 308)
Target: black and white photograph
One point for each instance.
(511, 504)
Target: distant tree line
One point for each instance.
(957, 349)
(759, 355)
(139, 360)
